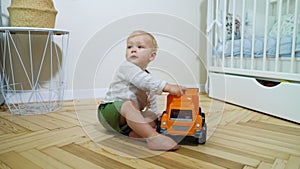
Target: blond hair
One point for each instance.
(140, 32)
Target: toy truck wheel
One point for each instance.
(158, 122)
(202, 139)
(158, 126)
(203, 116)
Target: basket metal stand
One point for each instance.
(32, 76)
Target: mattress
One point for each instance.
(285, 47)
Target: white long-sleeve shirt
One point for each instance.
(133, 83)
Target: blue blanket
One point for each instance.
(285, 47)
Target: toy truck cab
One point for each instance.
(183, 116)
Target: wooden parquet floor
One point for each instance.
(72, 138)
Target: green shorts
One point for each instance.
(109, 117)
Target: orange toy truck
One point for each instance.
(183, 117)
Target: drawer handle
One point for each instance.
(268, 83)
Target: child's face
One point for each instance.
(140, 50)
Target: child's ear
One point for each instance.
(153, 55)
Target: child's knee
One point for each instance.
(128, 107)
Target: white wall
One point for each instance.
(98, 30)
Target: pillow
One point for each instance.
(286, 26)
(260, 19)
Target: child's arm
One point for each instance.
(174, 89)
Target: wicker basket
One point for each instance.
(32, 13)
(35, 4)
(25, 17)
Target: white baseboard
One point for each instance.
(202, 88)
(80, 94)
(84, 94)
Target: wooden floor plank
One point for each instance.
(24, 123)
(213, 151)
(262, 142)
(293, 162)
(43, 160)
(8, 136)
(9, 144)
(248, 167)
(64, 136)
(264, 165)
(16, 161)
(177, 161)
(279, 164)
(93, 157)
(2, 131)
(41, 140)
(133, 162)
(9, 126)
(280, 136)
(47, 122)
(126, 147)
(237, 138)
(3, 165)
(71, 114)
(97, 132)
(18, 120)
(254, 151)
(67, 119)
(275, 127)
(267, 138)
(280, 122)
(171, 160)
(69, 158)
(87, 116)
(210, 158)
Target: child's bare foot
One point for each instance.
(161, 142)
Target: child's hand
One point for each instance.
(174, 89)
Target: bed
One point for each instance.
(254, 55)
